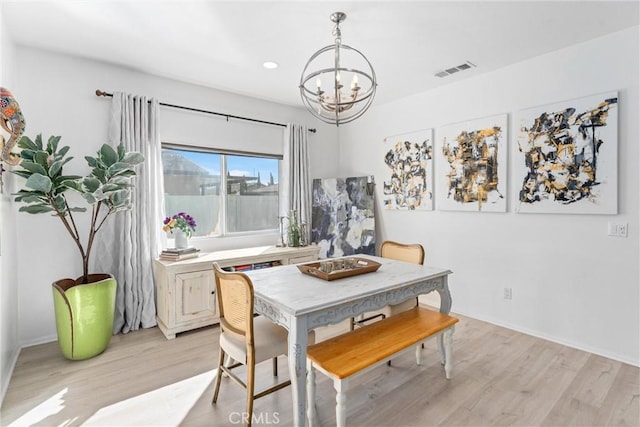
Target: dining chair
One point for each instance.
(245, 339)
(413, 253)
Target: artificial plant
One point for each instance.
(107, 187)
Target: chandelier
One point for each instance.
(335, 106)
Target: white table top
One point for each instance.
(296, 293)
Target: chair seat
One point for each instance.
(270, 341)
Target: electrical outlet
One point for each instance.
(622, 230)
(507, 293)
(618, 229)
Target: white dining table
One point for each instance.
(301, 302)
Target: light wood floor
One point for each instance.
(500, 378)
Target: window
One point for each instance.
(225, 192)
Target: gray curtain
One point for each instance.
(296, 174)
(131, 240)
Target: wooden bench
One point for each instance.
(365, 348)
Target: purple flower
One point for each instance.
(181, 221)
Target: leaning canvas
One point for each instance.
(342, 216)
(408, 184)
(568, 157)
(471, 165)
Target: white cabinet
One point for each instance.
(186, 289)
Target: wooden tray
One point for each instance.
(348, 269)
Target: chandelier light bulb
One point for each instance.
(354, 82)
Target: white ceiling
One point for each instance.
(222, 44)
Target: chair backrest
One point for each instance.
(235, 302)
(402, 252)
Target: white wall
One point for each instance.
(9, 346)
(58, 98)
(571, 282)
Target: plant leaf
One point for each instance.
(99, 194)
(39, 182)
(63, 151)
(108, 155)
(52, 144)
(89, 198)
(111, 187)
(133, 158)
(22, 173)
(27, 144)
(99, 173)
(121, 151)
(92, 161)
(55, 168)
(35, 209)
(32, 198)
(90, 184)
(74, 184)
(59, 180)
(27, 154)
(33, 167)
(40, 157)
(60, 203)
(38, 142)
(118, 167)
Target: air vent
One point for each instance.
(467, 65)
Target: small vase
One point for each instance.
(181, 240)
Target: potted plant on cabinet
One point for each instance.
(84, 307)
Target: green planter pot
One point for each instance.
(84, 315)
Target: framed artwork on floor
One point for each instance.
(343, 216)
(471, 165)
(408, 183)
(568, 155)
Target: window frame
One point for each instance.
(223, 153)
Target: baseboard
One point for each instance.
(6, 379)
(41, 340)
(557, 340)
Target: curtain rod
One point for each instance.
(228, 116)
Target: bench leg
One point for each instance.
(311, 393)
(448, 345)
(341, 401)
(418, 355)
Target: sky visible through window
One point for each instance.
(237, 165)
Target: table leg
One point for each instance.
(311, 394)
(298, 368)
(445, 297)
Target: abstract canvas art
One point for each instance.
(471, 165)
(342, 216)
(568, 156)
(409, 160)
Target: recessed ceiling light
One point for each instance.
(270, 65)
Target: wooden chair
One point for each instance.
(402, 252)
(246, 339)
